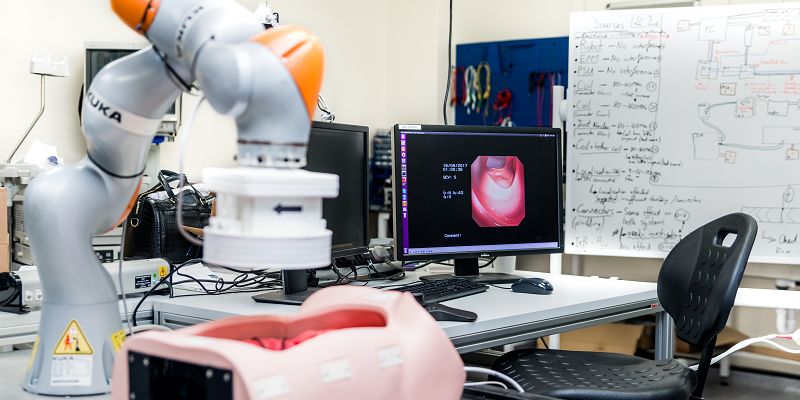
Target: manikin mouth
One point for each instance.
(498, 191)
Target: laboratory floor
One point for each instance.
(12, 372)
(742, 385)
(750, 385)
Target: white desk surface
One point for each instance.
(768, 298)
(573, 298)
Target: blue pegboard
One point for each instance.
(512, 63)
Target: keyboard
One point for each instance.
(443, 290)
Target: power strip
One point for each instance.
(137, 277)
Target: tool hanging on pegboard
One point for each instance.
(477, 90)
(458, 88)
(483, 90)
(469, 86)
(508, 65)
(541, 83)
(502, 108)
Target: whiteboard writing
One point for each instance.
(677, 117)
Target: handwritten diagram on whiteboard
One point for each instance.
(679, 116)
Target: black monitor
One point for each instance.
(342, 150)
(464, 192)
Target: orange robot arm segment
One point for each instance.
(137, 14)
(302, 54)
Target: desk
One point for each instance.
(503, 317)
(768, 298)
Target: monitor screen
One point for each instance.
(342, 150)
(463, 192)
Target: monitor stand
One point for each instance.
(295, 289)
(467, 268)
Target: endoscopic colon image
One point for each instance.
(498, 191)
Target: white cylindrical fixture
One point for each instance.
(268, 218)
(505, 264)
(555, 263)
(785, 321)
(558, 118)
(383, 225)
(559, 115)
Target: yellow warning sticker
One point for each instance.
(117, 339)
(33, 352)
(73, 341)
(163, 271)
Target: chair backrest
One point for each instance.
(699, 278)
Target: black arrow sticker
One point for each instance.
(281, 208)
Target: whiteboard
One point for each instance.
(678, 116)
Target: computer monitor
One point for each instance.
(464, 192)
(100, 54)
(342, 150)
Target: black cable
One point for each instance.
(425, 264)
(108, 172)
(381, 276)
(139, 27)
(149, 292)
(497, 286)
(488, 263)
(545, 343)
(397, 286)
(400, 274)
(449, 62)
(355, 271)
(340, 279)
(240, 283)
(242, 280)
(249, 283)
(255, 271)
(175, 270)
(217, 294)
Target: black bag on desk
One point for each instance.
(152, 230)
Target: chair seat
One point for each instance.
(597, 376)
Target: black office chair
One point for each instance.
(696, 286)
(495, 393)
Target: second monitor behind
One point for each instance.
(342, 150)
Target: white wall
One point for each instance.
(417, 69)
(59, 28)
(354, 33)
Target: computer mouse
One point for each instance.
(532, 286)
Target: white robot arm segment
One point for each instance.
(268, 81)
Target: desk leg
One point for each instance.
(555, 342)
(665, 341)
(724, 371)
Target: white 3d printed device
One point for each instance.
(268, 218)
